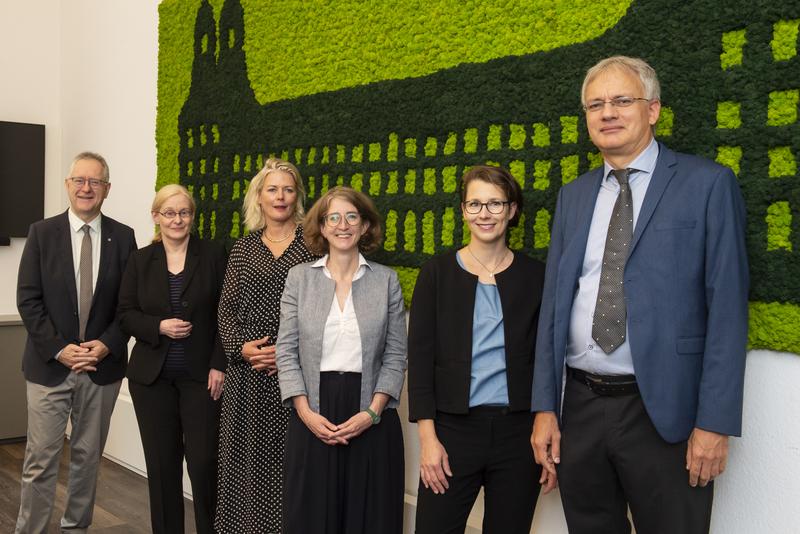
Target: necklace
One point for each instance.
(284, 238)
(488, 270)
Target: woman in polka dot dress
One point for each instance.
(253, 423)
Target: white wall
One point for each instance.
(87, 69)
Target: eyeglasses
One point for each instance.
(617, 102)
(493, 206)
(352, 218)
(171, 214)
(80, 181)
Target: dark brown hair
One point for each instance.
(314, 220)
(496, 176)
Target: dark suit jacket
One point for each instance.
(47, 299)
(144, 303)
(440, 334)
(686, 285)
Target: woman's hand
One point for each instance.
(215, 381)
(320, 426)
(175, 328)
(353, 427)
(433, 460)
(260, 355)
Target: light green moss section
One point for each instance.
(312, 155)
(569, 129)
(732, 48)
(428, 245)
(781, 162)
(325, 184)
(541, 134)
(374, 151)
(371, 40)
(390, 239)
(773, 325)
(728, 115)
(470, 140)
(516, 235)
(357, 181)
(493, 138)
(341, 153)
(541, 174)
(375, 183)
(235, 225)
(449, 179)
(326, 154)
(391, 151)
(430, 147)
(429, 181)
(448, 227)
(410, 146)
(357, 155)
(569, 168)
(730, 156)
(392, 185)
(665, 122)
(410, 182)
(782, 107)
(784, 39)
(779, 226)
(236, 192)
(517, 169)
(541, 229)
(312, 186)
(595, 159)
(450, 144)
(410, 231)
(466, 235)
(516, 137)
(408, 279)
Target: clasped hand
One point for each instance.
(331, 434)
(260, 355)
(175, 328)
(83, 357)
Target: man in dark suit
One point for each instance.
(76, 355)
(641, 346)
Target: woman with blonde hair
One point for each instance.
(253, 425)
(167, 301)
(341, 359)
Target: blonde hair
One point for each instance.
(253, 217)
(638, 67)
(164, 194)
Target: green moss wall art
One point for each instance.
(397, 99)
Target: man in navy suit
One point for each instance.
(76, 355)
(642, 335)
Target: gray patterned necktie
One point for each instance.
(85, 291)
(608, 326)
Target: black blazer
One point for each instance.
(440, 334)
(144, 303)
(47, 299)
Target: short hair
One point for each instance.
(499, 177)
(312, 224)
(166, 192)
(95, 156)
(253, 217)
(638, 67)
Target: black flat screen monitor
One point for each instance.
(21, 177)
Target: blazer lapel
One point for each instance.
(326, 289)
(572, 258)
(107, 247)
(63, 244)
(662, 175)
(190, 263)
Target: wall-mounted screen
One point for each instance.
(21, 177)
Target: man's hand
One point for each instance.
(706, 456)
(260, 355)
(78, 358)
(546, 443)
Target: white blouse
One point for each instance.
(341, 340)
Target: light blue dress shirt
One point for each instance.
(488, 384)
(582, 350)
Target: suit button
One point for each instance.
(185, 304)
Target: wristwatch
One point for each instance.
(375, 417)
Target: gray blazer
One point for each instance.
(305, 304)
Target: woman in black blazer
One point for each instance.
(472, 335)
(168, 302)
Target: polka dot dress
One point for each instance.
(253, 422)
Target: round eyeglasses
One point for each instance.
(352, 218)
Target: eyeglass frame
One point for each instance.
(617, 102)
(326, 220)
(183, 214)
(503, 203)
(94, 183)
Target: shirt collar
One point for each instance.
(645, 162)
(76, 223)
(323, 262)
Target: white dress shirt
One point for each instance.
(582, 350)
(76, 236)
(341, 340)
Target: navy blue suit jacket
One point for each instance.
(686, 285)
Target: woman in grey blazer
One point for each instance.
(341, 357)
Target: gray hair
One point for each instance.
(634, 65)
(95, 156)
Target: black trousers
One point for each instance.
(612, 457)
(491, 448)
(177, 417)
(343, 489)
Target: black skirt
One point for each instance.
(338, 489)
